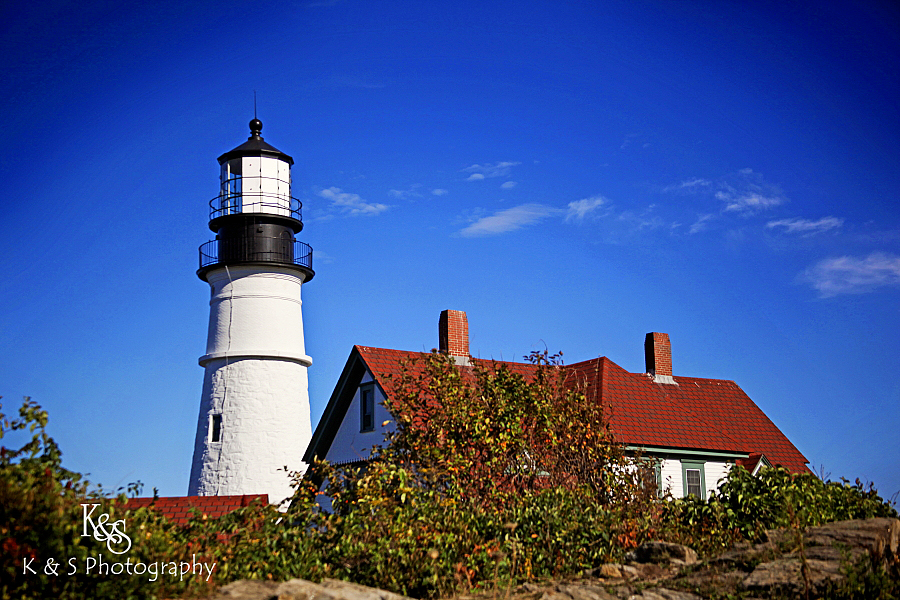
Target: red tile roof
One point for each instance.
(697, 414)
(178, 508)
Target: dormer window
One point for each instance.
(367, 407)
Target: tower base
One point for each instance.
(253, 428)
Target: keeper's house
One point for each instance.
(695, 428)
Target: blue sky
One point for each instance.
(571, 174)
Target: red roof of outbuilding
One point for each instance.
(697, 414)
(178, 508)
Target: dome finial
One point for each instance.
(255, 128)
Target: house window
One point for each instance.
(651, 474)
(215, 428)
(692, 486)
(693, 478)
(367, 407)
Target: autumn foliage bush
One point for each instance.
(488, 478)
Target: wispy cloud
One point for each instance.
(508, 220)
(701, 223)
(688, 185)
(439, 192)
(500, 169)
(410, 192)
(351, 204)
(747, 193)
(636, 222)
(579, 209)
(744, 192)
(806, 226)
(508, 185)
(747, 202)
(853, 275)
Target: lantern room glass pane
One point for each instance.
(231, 187)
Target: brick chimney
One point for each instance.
(658, 357)
(453, 335)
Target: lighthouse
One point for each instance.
(254, 422)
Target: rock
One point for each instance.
(646, 572)
(785, 576)
(663, 594)
(826, 549)
(711, 580)
(580, 591)
(880, 537)
(745, 556)
(623, 592)
(299, 589)
(832, 553)
(354, 591)
(630, 572)
(247, 590)
(657, 552)
(609, 571)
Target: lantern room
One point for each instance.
(255, 178)
(254, 216)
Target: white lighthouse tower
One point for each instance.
(254, 412)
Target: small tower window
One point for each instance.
(215, 428)
(367, 407)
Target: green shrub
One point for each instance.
(746, 505)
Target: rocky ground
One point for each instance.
(788, 564)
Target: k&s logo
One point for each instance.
(117, 541)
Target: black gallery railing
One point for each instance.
(256, 249)
(255, 202)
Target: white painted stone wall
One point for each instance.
(255, 311)
(350, 444)
(265, 428)
(256, 379)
